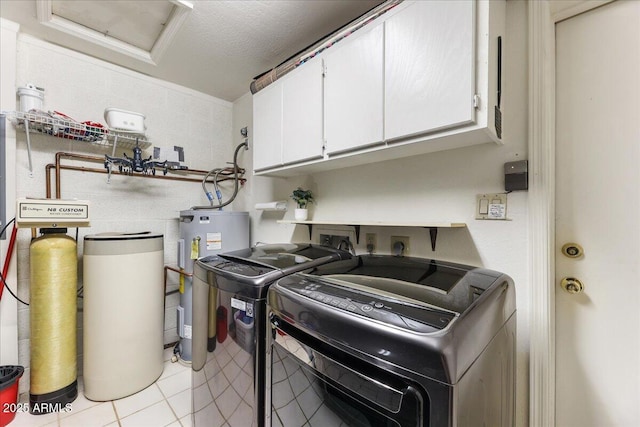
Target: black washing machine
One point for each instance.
(228, 370)
(392, 341)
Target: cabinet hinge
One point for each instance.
(476, 101)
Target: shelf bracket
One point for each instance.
(433, 233)
(357, 230)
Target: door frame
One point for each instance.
(543, 16)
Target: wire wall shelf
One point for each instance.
(60, 126)
(89, 132)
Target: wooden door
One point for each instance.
(598, 208)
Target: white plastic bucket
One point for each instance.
(31, 97)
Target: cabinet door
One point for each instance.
(429, 67)
(302, 137)
(354, 92)
(267, 127)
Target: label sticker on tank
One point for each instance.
(187, 331)
(239, 304)
(214, 241)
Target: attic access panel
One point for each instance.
(141, 29)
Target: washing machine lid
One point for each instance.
(264, 263)
(416, 281)
(390, 309)
(284, 256)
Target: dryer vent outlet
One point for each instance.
(333, 240)
(399, 245)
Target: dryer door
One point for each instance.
(312, 384)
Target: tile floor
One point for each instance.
(167, 402)
(223, 392)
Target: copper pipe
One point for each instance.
(181, 272)
(97, 159)
(58, 167)
(48, 179)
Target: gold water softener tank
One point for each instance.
(53, 306)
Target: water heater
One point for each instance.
(204, 232)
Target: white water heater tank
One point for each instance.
(123, 313)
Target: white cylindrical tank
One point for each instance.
(123, 313)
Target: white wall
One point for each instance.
(8, 305)
(434, 187)
(82, 87)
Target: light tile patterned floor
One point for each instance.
(167, 402)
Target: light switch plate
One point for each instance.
(491, 206)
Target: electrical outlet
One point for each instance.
(372, 242)
(400, 245)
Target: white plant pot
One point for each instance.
(301, 214)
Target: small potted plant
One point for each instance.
(302, 199)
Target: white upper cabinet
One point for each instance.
(302, 113)
(353, 107)
(267, 124)
(421, 78)
(287, 119)
(429, 68)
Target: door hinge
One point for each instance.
(324, 70)
(476, 101)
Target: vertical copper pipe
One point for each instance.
(48, 179)
(57, 175)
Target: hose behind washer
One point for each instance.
(216, 172)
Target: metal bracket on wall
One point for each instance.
(310, 227)
(433, 234)
(357, 230)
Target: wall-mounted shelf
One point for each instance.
(70, 129)
(432, 226)
(46, 124)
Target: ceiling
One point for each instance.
(216, 47)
